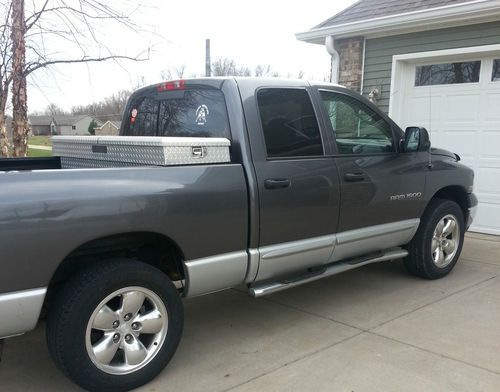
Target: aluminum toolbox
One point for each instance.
(120, 151)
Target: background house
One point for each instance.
(109, 128)
(431, 63)
(41, 125)
(60, 125)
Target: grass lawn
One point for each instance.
(39, 153)
(40, 140)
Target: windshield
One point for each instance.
(184, 113)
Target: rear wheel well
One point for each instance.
(149, 248)
(454, 193)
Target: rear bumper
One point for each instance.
(20, 310)
(472, 209)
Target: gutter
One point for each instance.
(330, 48)
(428, 19)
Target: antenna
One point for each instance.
(429, 163)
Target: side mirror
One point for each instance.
(415, 139)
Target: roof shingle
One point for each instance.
(369, 9)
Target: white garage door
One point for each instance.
(458, 101)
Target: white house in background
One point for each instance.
(109, 128)
(72, 125)
(430, 63)
(60, 125)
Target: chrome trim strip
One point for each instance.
(253, 265)
(291, 256)
(19, 311)
(358, 242)
(332, 269)
(215, 273)
(376, 231)
(292, 248)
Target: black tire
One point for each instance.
(419, 261)
(74, 305)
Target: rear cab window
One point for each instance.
(193, 112)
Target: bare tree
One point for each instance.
(5, 75)
(262, 71)
(228, 67)
(53, 110)
(20, 126)
(72, 21)
(110, 108)
(174, 73)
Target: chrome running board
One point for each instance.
(265, 288)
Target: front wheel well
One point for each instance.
(149, 248)
(454, 193)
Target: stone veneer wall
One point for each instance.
(351, 62)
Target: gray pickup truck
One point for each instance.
(319, 181)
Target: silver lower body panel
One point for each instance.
(281, 259)
(215, 273)
(20, 310)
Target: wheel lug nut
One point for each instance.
(127, 317)
(116, 337)
(116, 324)
(128, 338)
(136, 326)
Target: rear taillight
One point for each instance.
(172, 85)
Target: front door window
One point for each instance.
(357, 128)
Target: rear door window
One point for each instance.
(289, 123)
(182, 113)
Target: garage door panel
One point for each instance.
(461, 142)
(457, 126)
(462, 107)
(492, 106)
(437, 139)
(421, 111)
(486, 220)
(487, 182)
(489, 143)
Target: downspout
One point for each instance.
(330, 48)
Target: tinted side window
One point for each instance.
(357, 128)
(289, 123)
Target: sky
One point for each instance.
(252, 33)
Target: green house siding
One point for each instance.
(379, 51)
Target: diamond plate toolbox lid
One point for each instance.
(141, 150)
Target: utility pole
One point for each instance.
(208, 64)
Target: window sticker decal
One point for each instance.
(201, 114)
(133, 115)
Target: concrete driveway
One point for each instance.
(373, 329)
